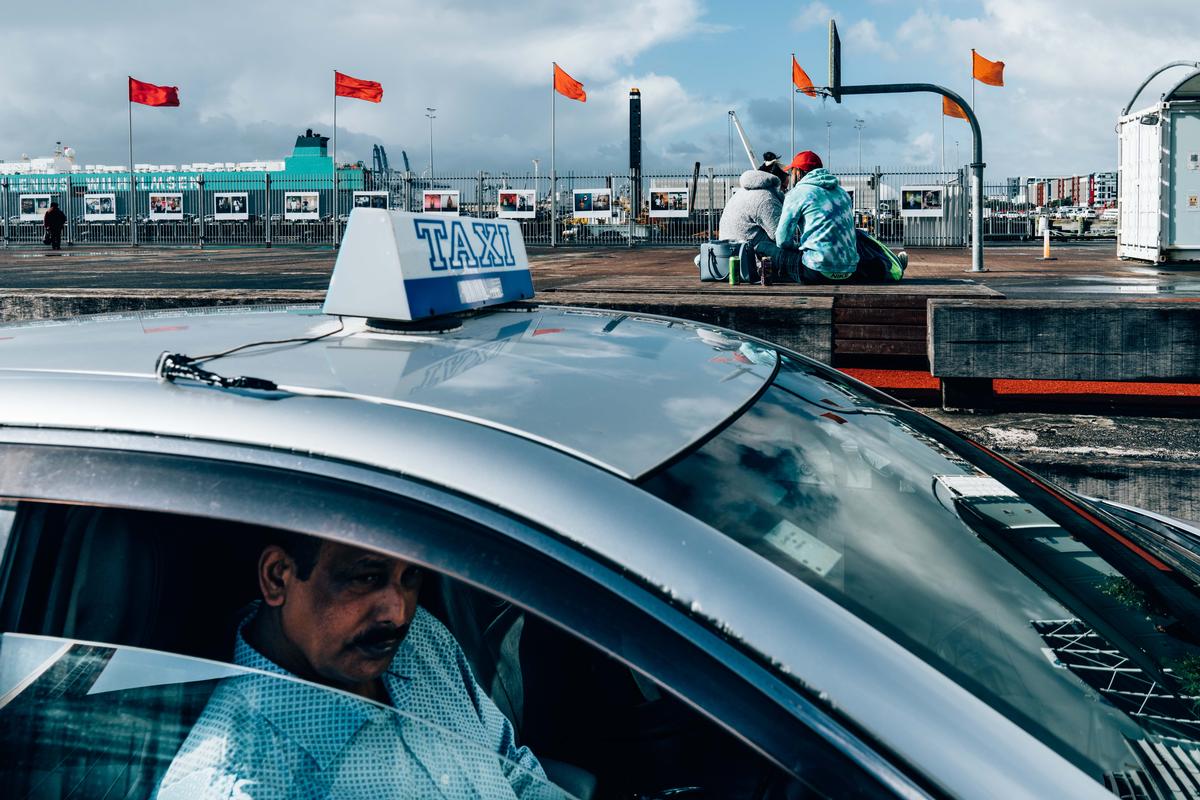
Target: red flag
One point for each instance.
(150, 95)
(952, 109)
(984, 71)
(801, 80)
(567, 86)
(345, 86)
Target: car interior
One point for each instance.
(180, 584)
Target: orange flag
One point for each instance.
(989, 72)
(567, 86)
(952, 109)
(801, 80)
(345, 86)
(149, 94)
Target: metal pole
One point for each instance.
(431, 117)
(711, 203)
(200, 206)
(267, 207)
(335, 175)
(132, 183)
(4, 187)
(408, 184)
(479, 196)
(66, 203)
(792, 84)
(972, 78)
(632, 210)
(553, 167)
(828, 140)
(859, 124)
(878, 192)
(977, 164)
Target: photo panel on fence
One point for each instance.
(231, 206)
(301, 206)
(922, 201)
(440, 201)
(34, 207)
(100, 207)
(592, 203)
(371, 199)
(516, 203)
(165, 206)
(669, 202)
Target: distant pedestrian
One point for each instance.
(53, 222)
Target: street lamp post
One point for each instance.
(859, 124)
(828, 134)
(535, 178)
(432, 116)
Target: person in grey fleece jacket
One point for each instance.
(752, 215)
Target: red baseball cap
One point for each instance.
(807, 161)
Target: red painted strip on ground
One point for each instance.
(165, 329)
(915, 379)
(894, 378)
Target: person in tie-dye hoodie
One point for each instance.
(818, 218)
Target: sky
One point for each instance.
(252, 75)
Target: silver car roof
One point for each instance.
(59, 381)
(625, 392)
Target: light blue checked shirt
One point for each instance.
(270, 738)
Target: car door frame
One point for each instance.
(496, 551)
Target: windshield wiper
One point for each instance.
(176, 366)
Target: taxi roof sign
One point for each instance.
(400, 266)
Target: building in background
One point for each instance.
(1106, 189)
(1092, 190)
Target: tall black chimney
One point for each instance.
(635, 151)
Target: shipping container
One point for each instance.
(1159, 178)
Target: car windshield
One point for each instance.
(83, 720)
(1075, 628)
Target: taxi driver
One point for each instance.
(347, 618)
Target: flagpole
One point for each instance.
(792, 84)
(553, 164)
(132, 189)
(335, 175)
(943, 144)
(973, 82)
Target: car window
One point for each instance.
(541, 699)
(1076, 633)
(85, 720)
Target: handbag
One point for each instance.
(46, 238)
(714, 259)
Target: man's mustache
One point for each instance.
(379, 636)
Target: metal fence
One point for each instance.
(264, 209)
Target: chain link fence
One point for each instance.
(588, 209)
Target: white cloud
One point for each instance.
(811, 16)
(864, 36)
(922, 149)
(248, 88)
(1069, 69)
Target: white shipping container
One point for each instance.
(1159, 177)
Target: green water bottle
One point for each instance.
(735, 265)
